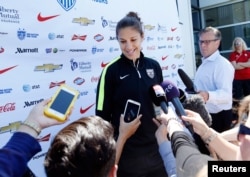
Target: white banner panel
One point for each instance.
(45, 43)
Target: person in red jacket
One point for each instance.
(240, 59)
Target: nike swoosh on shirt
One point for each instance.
(82, 111)
(45, 18)
(123, 77)
(6, 69)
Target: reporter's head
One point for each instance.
(84, 148)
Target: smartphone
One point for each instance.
(131, 110)
(61, 103)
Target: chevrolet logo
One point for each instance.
(12, 127)
(48, 67)
(83, 21)
(149, 27)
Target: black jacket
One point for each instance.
(121, 80)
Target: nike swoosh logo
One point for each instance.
(1, 50)
(173, 29)
(122, 77)
(6, 69)
(104, 64)
(42, 19)
(82, 111)
(164, 58)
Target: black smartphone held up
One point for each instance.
(131, 110)
(61, 103)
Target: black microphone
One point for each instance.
(158, 97)
(182, 96)
(190, 87)
(196, 103)
(172, 94)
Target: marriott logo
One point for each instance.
(25, 50)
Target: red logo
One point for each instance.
(8, 107)
(104, 64)
(173, 29)
(54, 84)
(79, 37)
(6, 69)
(1, 50)
(45, 138)
(164, 58)
(45, 18)
(82, 111)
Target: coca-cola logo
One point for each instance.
(95, 79)
(8, 107)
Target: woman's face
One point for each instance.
(238, 44)
(130, 41)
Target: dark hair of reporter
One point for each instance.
(130, 20)
(84, 148)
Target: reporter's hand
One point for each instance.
(161, 132)
(163, 118)
(38, 117)
(199, 126)
(127, 129)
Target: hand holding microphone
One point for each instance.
(190, 87)
(172, 94)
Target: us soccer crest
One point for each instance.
(21, 34)
(150, 73)
(67, 4)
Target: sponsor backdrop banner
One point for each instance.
(45, 43)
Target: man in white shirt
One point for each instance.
(214, 78)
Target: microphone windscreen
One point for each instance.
(186, 80)
(170, 90)
(196, 103)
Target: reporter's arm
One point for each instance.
(225, 149)
(23, 144)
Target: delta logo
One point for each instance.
(98, 37)
(79, 37)
(83, 21)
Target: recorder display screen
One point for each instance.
(62, 102)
